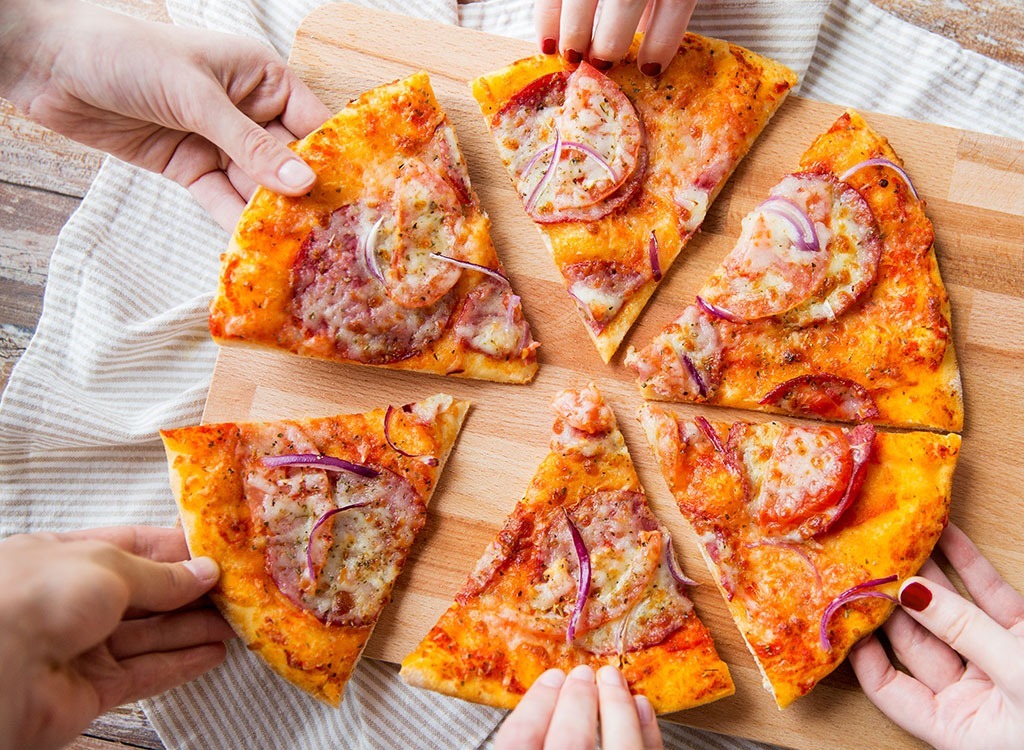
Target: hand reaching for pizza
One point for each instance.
(210, 111)
(560, 711)
(965, 686)
(570, 27)
(93, 619)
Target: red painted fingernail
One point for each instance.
(549, 46)
(600, 64)
(915, 596)
(572, 56)
(651, 69)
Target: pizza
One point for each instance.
(581, 573)
(387, 260)
(830, 305)
(808, 530)
(311, 522)
(617, 169)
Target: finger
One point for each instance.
(546, 15)
(214, 192)
(649, 729)
(303, 112)
(927, 658)
(620, 724)
(614, 31)
(152, 542)
(968, 630)
(665, 30)
(257, 152)
(161, 587)
(574, 722)
(170, 632)
(576, 25)
(146, 675)
(899, 696)
(525, 728)
(994, 595)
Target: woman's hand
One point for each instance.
(945, 700)
(560, 712)
(210, 111)
(93, 619)
(568, 26)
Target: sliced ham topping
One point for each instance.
(823, 396)
(574, 145)
(491, 322)
(684, 361)
(807, 253)
(812, 476)
(337, 296)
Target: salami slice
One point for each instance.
(491, 321)
(823, 396)
(601, 287)
(337, 295)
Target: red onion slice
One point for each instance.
(472, 267)
(666, 551)
(318, 461)
(702, 387)
(428, 459)
(710, 434)
(548, 173)
(851, 594)
(796, 217)
(316, 526)
(655, 256)
(368, 246)
(718, 312)
(583, 588)
(879, 161)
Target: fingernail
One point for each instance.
(915, 596)
(609, 675)
(644, 709)
(651, 69)
(573, 57)
(549, 46)
(205, 569)
(552, 678)
(582, 673)
(600, 64)
(295, 173)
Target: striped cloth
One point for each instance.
(122, 349)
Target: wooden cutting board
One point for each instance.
(974, 186)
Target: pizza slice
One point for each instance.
(830, 305)
(386, 261)
(311, 522)
(581, 573)
(618, 169)
(807, 530)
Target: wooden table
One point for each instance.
(44, 176)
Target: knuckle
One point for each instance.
(958, 628)
(258, 144)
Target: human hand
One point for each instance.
(568, 26)
(210, 111)
(562, 712)
(943, 700)
(93, 619)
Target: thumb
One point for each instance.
(161, 587)
(967, 629)
(256, 151)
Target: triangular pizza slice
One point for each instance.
(830, 305)
(581, 573)
(386, 261)
(618, 169)
(311, 522)
(807, 530)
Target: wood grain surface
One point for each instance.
(974, 187)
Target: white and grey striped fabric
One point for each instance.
(122, 348)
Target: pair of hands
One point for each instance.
(93, 619)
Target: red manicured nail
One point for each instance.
(549, 46)
(600, 64)
(573, 57)
(915, 596)
(651, 69)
